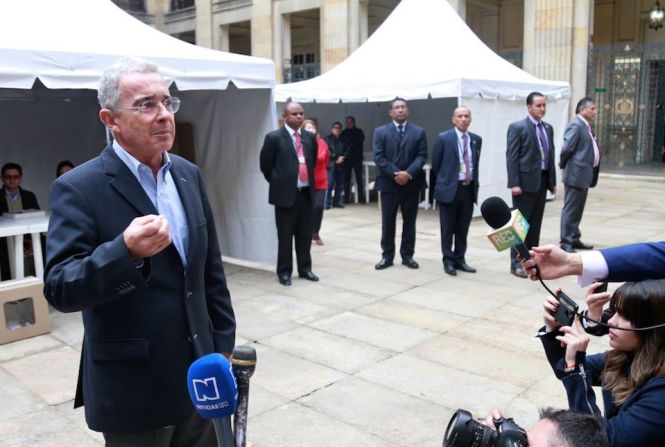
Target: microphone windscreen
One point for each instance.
(495, 212)
(212, 386)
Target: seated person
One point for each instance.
(13, 199)
(631, 373)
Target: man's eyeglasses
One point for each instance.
(150, 107)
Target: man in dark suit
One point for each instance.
(531, 170)
(13, 198)
(455, 160)
(132, 244)
(400, 152)
(287, 161)
(580, 161)
(353, 162)
(339, 149)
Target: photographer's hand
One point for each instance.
(551, 305)
(489, 420)
(596, 301)
(575, 339)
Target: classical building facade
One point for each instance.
(603, 48)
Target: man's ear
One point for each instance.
(107, 117)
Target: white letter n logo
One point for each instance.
(205, 389)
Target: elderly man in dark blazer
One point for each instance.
(287, 162)
(580, 161)
(531, 170)
(400, 152)
(132, 244)
(455, 159)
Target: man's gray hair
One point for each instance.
(108, 92)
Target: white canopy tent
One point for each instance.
(51, 57)
(424, 52)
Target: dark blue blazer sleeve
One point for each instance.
(635, 262)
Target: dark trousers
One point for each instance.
(532, 207)
(571, 214)
(336, 183)
(194, 432)
(355, 164)
(319, 198)
(407, 201)
(294, 223)
(455, 218)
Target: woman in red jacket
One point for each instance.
(320, 179)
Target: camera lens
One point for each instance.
(464, 431)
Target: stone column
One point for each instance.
(556, 41)
(262, 32)
(224, 32)
(281, 43)
(204, 30)
(336, 28)
(363, 21)
(157, 8)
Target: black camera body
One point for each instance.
(464, 431)
(565, 314)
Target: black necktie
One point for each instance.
(400, 129)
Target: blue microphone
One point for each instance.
(214, 393)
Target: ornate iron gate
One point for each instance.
(629, 92)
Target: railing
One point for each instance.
(300, 72)
(181, 4)
(131, 5)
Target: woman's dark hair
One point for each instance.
(643, 304)
(63, 164)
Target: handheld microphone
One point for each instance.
(214, 393)
(509, 229)
(243, 360)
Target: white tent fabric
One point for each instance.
(424, 52)
(66, 46)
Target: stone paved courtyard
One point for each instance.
(364, 357)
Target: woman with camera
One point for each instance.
(631, 373)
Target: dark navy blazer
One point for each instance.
(392, 155)
(635, 262)
(144, 325)
(446, 164)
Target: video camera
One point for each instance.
(464, 431)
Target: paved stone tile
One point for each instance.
(393, 336)
(337, 352)
(67, 327)
(29, 346)
(261, 400)
(77, 418)
(412, 315)
(289, 308)
(16, 399)
(442, 300)
(472, 356)
(294, 425)
(290, 376)
(332, 296)
(380, 283)
(254, 325)
(50, 374)
(451, 388)
(43, 428)
(384, 412)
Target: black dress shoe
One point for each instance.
(465, 267)
(309, 276)
(567, 248)
(517, 270)
(384, 263)
(410, 263)
(284, 279)
(449, 268)
(581, 245)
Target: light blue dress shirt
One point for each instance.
(163, 194)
